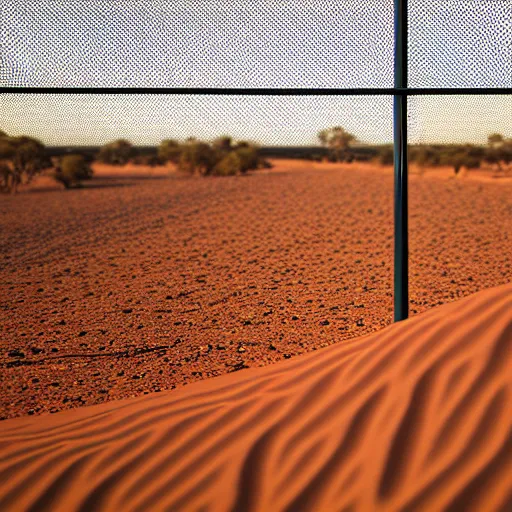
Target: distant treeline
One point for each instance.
(497, 154)
(361, 153)
(22, 157)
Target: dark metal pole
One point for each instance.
(401, 282)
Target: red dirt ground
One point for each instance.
(140, 283)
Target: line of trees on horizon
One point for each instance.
(221, 157)
(498, 152)
(23, 157)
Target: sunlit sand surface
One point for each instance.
(417, 416)
(149, 280)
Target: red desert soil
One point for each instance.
(415, 417)
(143, 283)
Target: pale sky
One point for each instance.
(250, 43)
(85, 119)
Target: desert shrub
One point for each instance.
(220, 157)
(118, 152)
(338, 141)
(229, 165)
(425, 156)
(458, 158)
(72, 170)
(506, 152)
(248, 158)
(467, 156)
(386, 155)
(5, 173)
(21, 158)
(223, 143)
(150, 160)
(197, 157)
(471, 162)
(169, 151)
(493, 157)
(499, 151)
(477, 152)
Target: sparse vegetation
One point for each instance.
(197, 157)
(338, 141)
(71, 170)
(21, 158)
(118, 152)
(219, 158)
(499, 152)
(386, 155)
(229, 165)
(169, 151)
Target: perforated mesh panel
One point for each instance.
(147, 119)
(460, 43)
(191, 43)
(458, 119)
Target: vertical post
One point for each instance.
(401, 270)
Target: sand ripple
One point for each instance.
(415, 417)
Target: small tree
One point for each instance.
(118, 152)
(386, 155)
(495, 140)
(338, 141)
(248, 157)
(499, 151)
(223, 143)
(229, 165)
(72, 170)
(197, 157)
(21, 158)
(169, 151)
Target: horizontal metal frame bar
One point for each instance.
(391, 91)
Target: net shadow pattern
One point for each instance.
(146, 119)
(458, 119)
(197, 43)
(460, 43)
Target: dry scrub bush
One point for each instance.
(229, 165)
(21, 158)
(118, 152)
(220, 158)
(72, 170)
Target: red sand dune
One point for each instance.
(417, 416)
